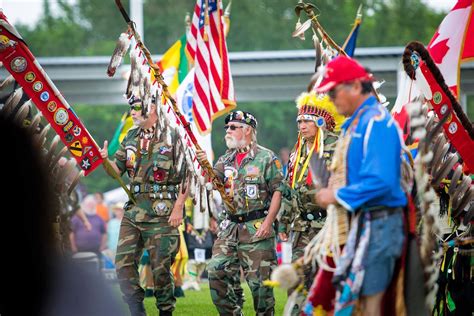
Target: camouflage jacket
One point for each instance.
(299, 201)
(250, 186)
(154, 177)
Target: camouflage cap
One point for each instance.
(241, 117)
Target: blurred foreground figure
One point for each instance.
(53, 284)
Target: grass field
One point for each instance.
(199, 303)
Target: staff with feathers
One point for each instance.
(116, 58)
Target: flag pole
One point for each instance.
(357, 22)
(159, 78)
(309, 9)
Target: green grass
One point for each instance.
(199, 303)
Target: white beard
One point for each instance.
(232, 143)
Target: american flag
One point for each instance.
(213, 87)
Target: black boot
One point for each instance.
(166, 313)
(137, 309)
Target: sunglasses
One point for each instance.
(136, 107)
(232, 127)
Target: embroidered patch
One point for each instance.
(44, 96)
(61, 117)
(76, 148)
(437, 97)
(52, 106)
(38, 86)
(18, 64)
(453, 127)
(277, 163)
(257, 225)
(30, 76)
(252, 170)
(444, 109)
(251, 191)
(164, 150)
(85, 164)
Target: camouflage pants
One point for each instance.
(257, 260)
(133, 238)
(299, 241)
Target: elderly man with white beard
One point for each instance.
(252, 179)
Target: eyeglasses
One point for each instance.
(136, 107)
(232, 127)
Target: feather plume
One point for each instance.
(123, 43)
(7, 82)
(12, 101)
(21, 113)
(318, 52)
(300, 29)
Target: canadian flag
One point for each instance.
(453, 43)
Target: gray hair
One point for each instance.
(253, 131)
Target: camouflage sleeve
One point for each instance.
(285, 215)
(219, 168)
(273, 175)
(121, 157)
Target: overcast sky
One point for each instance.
(28, 11)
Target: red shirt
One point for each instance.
(239, 157)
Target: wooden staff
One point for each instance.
(159, 78)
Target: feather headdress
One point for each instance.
(320, 109)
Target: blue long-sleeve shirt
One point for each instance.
(373, 160)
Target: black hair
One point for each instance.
(366, 87)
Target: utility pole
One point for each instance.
(136, 15)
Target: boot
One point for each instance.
(166, 313)
(137, 309)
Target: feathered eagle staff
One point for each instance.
(146, 89)
(445, 143)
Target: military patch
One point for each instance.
(449, 119)
(160, 208)
(52, 106)
(453, 127)
(38, 86)
(6, 42)
(76, 148)
(69, 138)
(44, 96)
(130, 159)
(61, 117)
(30, 76)
(257, 225)
(444, 109)
(68, 126)
(87, 149)
(164, 150)
(85, 140)
(252, 170)
(85, 164)
(76, 130)
(230, 171)
(251, 191)
(159, 175)
(18, 64)
(437, 97)
(277, 163)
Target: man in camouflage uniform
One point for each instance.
(253, 180)
(152, 222)
(300, 216)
